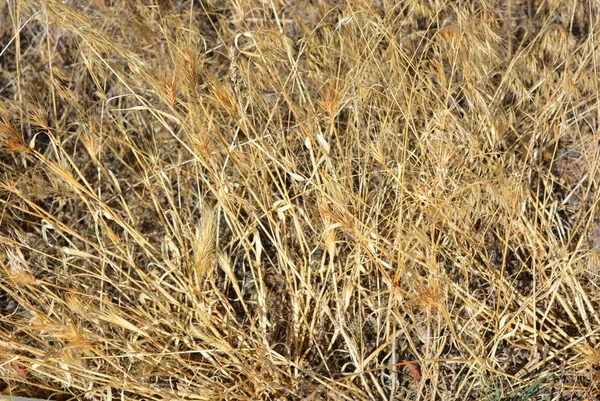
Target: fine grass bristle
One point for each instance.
(299, 200)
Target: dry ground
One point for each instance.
(299, 200)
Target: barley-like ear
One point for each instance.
(17, 267)
(11, 139)
(203, 247)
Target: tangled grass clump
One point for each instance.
(299, 200)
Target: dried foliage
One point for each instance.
(299, 200)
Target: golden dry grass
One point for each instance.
(299, 200)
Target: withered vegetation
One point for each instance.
(299, 200)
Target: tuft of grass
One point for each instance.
(495, 392)
(299, 200)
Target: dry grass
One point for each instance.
(299, 200)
